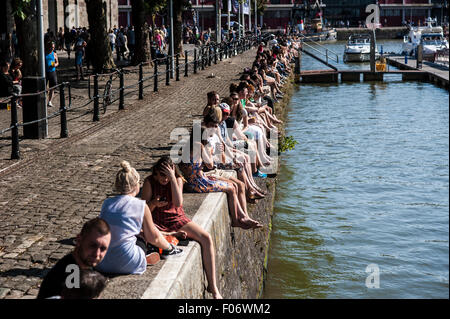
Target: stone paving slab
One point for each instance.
(48, 196)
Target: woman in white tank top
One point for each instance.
(127, 216)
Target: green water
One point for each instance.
(368, 183)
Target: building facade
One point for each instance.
(398, 12)
(124, 13)
(337, 13)
(59, 14)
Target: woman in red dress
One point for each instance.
(163, 192)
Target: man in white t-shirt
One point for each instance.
(112, 39)
(272, 42)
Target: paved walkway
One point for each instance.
(433, 68)
(61, 183)
(80, 116)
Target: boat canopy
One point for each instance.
(359, 39)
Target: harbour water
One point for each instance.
(367, 184)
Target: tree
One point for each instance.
(142, 48)
(261, 6)
(139, 10)
(178, 6)
(154, 6)
(102, 59)
(24, 12)
(142, 7)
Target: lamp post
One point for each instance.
(249, 15)
(171, 36)
(41, 53)
(239, 20)
(243, 19)
(218, 22)
(229, 15)
(256, 18)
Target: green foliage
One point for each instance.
(261, 5)
(155, 5)
(19, 7)
(287, 143)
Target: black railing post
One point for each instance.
(96, 97)
(177, 67)
(122, 91)
(141, 83)
(167, 71)
(15, 153)
(155, 77)
(89, 86)
(171, 67)
(195, 60)
(221, 51)
(203, 58)
(215, 53)
(186, 69)
(62, 108)
(209, 55)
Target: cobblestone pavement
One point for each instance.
(80, 116)
(61, 183)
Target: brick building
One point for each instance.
(124, 13)
(396, 12)
(279, 13)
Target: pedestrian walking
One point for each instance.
(51, 63)
(112, 39)
(60, 39)
(120, 42)
(80, 46)
(131, 41)
(68, 39)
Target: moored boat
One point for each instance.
(430, 36)
(358, 48)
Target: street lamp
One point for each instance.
(171, 36)
(41, 54)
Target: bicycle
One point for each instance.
(108, 92)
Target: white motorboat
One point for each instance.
(358, 48)
(430, 36)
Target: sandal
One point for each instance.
(152, 258)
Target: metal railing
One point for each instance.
(442, 57)
(328, 54)
(14, 128)
(203, 57)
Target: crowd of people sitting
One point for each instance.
(11, 78)
(139, 226)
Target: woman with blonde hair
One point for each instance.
(132, 228)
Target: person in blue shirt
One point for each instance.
(51, 62)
